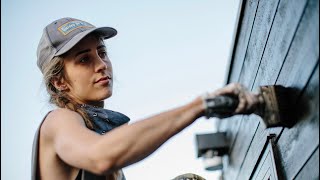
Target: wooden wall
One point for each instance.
(277, 42)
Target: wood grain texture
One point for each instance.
(290, 54)
(283, 30)
(310, 170)
(243, 38)
(297, 143)
(303, 53)
(266, 165)
(253, 153)
(231, 125)
(240, 147)
(260, 33)
(303, 71)
(262, 24)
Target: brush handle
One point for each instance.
(220, 106)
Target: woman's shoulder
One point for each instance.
(60, 114)
(59, 119)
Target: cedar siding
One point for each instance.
(277, 42)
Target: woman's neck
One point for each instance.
(96, 103)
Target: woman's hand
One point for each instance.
(248, 101)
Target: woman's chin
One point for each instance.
(106, 95)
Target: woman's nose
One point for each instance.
(101, 64)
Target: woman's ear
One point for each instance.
(59, 83)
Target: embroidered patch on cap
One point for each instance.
(73, 25)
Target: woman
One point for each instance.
(80, 139)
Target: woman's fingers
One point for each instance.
(247, 100)
(243, 103)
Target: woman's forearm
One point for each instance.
(131, 143)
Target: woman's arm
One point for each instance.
(85, 149)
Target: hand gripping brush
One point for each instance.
(277, 107)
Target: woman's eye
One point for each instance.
(103, 54)
(84, 60)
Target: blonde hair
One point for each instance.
(55, 69)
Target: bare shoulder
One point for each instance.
(59, 120)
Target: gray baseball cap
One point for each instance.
(61, 35)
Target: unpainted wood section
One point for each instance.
(293, 58)
(311, 169)
(243, 38)
(297, 144)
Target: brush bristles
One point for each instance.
(279, 106)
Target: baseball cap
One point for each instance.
(61, 35)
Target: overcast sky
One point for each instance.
(166, 53)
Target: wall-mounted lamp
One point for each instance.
(211, 147)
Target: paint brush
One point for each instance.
(276, 107)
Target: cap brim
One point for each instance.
(104, 32)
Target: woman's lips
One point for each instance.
(104, 80)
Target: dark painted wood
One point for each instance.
(266, 167)
(253, 153)
(238, 151)
(302, 50)
(303, 71)
(310, 170)
(246, 24)
(261, 27)
(258, 37)
(231, 125)
(260, 33)
(284, 28)
(256, 149)
(297, 144)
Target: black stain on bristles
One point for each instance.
(292, 106)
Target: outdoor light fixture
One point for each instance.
(211, 147)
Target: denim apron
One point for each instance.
(103, 121)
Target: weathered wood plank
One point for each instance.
(252, 155)
(266, 165)
(307, 30)
(311, 169)
(261, 27)
(231, 125)
(243, 38)
(303, 54)
(297, 143)
(284, 28)
(260, 33)
(256, 148)
(236, 154)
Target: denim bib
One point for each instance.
(104, 120)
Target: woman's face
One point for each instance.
(88, 71)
